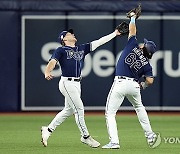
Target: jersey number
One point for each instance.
(133, 62)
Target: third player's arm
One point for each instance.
(50, 66)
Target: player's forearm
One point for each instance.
(50, 66)
(102, 40)
(132, 26)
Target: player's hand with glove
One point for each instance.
(122, 28)
(134, 12)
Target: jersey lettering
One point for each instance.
(70, 53)
(78, 55)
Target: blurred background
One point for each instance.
(28, 36)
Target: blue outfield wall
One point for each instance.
(28, 35)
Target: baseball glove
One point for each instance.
(123, 28)
(135, 11)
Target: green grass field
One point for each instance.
(20, 134)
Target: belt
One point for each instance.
(127, 78)
(72, 79)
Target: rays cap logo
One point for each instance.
(150, 46)
(63, 34)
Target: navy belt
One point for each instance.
(77, 80)
(126, 78)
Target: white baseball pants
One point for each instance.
(73, 105)
(120, 89)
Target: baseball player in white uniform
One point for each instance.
(71, 58)
(132, 65)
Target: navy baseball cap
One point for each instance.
(63, 34)
(150, 46)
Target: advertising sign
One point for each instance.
(39, 39)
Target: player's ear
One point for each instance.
(64, 40)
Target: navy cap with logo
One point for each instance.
(150, 46)
(63, 34)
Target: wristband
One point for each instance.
(133, 19)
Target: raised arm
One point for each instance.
(133, 15)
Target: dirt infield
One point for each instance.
(91, 113)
